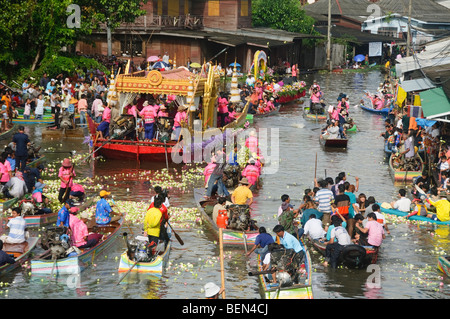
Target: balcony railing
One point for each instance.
(156, 21)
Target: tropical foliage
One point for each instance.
(284, 15)
(33, 32)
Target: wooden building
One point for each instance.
(200, 30)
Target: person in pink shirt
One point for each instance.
(148, 115)
(378, 103)
(374, 230)
(77, 191)
(252, 142)
(208, 171)
(132, 110)
(180, 118)
(82, 109)
(316, 95)
(5, 170)
(66, 174)
(258, 163)
(163, 111)
(251, 172)
(222, 109)
(103, 128)
(259, 90)
(79, 230)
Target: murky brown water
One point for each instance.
(407, 260)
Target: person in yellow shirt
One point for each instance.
(442, 208)
(242, 195)
(152, 223)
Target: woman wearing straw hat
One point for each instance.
(66, 174)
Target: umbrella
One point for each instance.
(160, 65)
(195, 65)
(237, 64)
(152, 58)
(359, 58)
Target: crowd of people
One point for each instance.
(332, 214)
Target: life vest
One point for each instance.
(222, 219)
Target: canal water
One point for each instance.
(407, 262)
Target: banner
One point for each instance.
(375, 49)
(401, 95)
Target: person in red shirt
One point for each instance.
(163, 235)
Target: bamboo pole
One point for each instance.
(222, 270)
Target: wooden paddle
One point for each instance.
(176, 235)
(222, 271)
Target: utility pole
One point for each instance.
(108, 37)
(330, 66)
(408, 39)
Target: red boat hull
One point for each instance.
(133, 150)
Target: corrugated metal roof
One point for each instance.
(355, 9)
(424, 10)
(417, 85)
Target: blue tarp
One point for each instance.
(424, 122)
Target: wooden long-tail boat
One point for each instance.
(384, 111)
(396, 212)
(314, 117)
(231, 237)
(155, 267)
(301, 290)
(8, 132)
(404, 176)
(20, 252)
(338, 143)
(272, 112)
(44, 264)
(444, 264)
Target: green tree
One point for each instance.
(283, 15)
(35, 31)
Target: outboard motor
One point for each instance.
(137, 248)
(232, 174)
(239, 217)
(66, 120)
(122, 126)
(287, 263)
(56, 240)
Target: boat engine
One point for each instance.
(164, 129)
(138, 249)
(66, 120)
(122, 126)
(33, 151)
(232, 174)
(240, 217)
(56, 240)
(288, 264)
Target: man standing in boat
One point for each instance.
(21, 142)
(152, 223)
(148, 114)
(103, 128)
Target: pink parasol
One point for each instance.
(152, 58)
